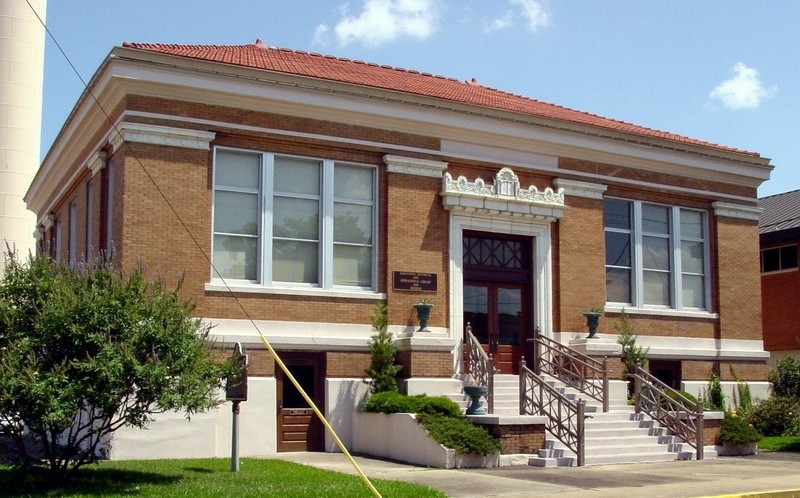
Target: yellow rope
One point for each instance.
(319, 414)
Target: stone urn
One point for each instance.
(475, 394)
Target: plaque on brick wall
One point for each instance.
(414, 281)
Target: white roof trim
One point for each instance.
(161, 135)
(581, 189)
(413, 166)
(728, 210)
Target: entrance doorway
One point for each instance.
(497, 294)
(299, 429)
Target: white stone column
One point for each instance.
(21, 82)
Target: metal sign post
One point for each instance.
(236, 391)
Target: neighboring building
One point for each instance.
(779, 228)
(319, 186)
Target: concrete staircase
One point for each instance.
(617, 436)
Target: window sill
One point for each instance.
(293, 291)
(702, 315)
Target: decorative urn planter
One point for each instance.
(475, 394)
(423, 315)
(592, 322)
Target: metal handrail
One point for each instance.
(565, 418)
(670, 408)
(480, 366)
(575, 369)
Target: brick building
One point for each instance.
(779, 228)
(319, 186)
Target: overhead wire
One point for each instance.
(163, 196)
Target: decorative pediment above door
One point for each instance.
(502, 198)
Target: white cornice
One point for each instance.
(502, 198)
(161, 135)
(728, 210)
(48, 220)
(413, 166)
(573, 188)
(97, 162)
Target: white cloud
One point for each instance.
(532, 12)
(321, 36)
(742, 91)
(382, 21)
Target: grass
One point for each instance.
(780, 443)
(203, 477)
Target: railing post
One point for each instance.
(581, 420)
(522, 367)
(605, 384)
(637, 388)
(490, 395)
(700, 427)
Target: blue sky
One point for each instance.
(723, 71)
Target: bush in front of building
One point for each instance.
(737, 430)
(86, 349)
(785, 377)
(777, 416)
(441, 417)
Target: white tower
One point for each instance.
(21, 82)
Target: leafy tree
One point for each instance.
(85, 350)
(383, 370)
(785, 377)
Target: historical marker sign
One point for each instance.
(414, 281)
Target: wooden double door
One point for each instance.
(498, 299)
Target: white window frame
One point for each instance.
(72, 241)
(676, 271)
(264, 282)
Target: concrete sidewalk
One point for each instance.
(723, 476)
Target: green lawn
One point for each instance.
(780, 443)
(205, 477)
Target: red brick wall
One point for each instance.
(739, 280)
(780, 294)
(517, 439)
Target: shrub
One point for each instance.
(742, 398)
(390, 402)
(736, 430)
(632, 354)
(459, 434)
(785, 378)
(383, 370)
(691, 405)
(442, 419)
(437, 405)
(714, 396)
(776, 416)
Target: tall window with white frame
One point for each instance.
(89, 233)
(294, 222)
(72, 243)
(656, 256)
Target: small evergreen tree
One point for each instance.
(383, 369)
(632, 354)
(714, 396)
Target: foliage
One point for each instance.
(737, 430)
(632, 354)
(785, 377)
(441, 417)
(383, 369)
(201, 478)
(690, 405)
(776, 416)
(780, 443)
(394, 402)
(593, 310)
(85, 350)
(459, 434)
(424, 302)
(742, 398)
(713, 395)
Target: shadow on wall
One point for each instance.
(345, 396)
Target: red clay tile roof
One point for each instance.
(325, 67)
